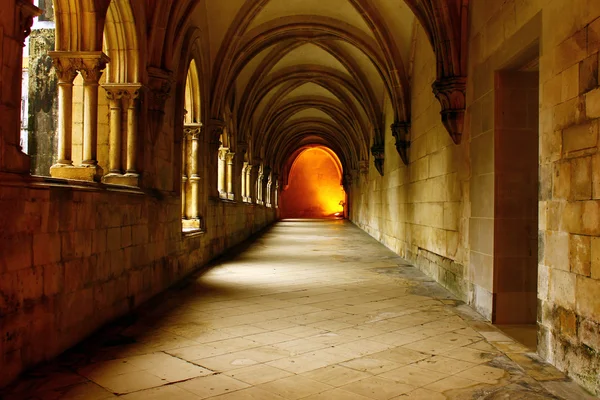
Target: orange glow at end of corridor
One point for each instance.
(314, 186)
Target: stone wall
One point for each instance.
(441, 212)
(420, 211)
(77, 256)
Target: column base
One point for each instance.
(193, 224)
(230, 196)
(128, 179)
(91, 173)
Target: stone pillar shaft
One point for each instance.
(132, 132)
(229, 159)
(65, 120)
(66, 70)
(249, 183)
(221, 172)
(115, 138)
(91, 70)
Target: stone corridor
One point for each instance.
(312, 309)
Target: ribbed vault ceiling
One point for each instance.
(304, 72)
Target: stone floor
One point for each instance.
(313, 310)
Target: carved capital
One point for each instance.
(378, 152)
(451, 93)
(65, 67)
(25, 13)
(93, 64)
(229, 157)
(401, 132)
(192, 131)
(223, 153)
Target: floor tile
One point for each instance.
(210, 386)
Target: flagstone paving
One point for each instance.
(314, 310)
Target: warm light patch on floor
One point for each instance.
(314, 187)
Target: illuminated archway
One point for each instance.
(314, 187)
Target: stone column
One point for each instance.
(243, 183)
(121, 96)
(276, 191)
(184, 177)
(222, 172)
(132, 96)
(115, 135)
(229, 159)
(91, 70)
(66, 70)
(269, 194)
(259, 186)
(249, 180)
(194, 134)
(265, 185)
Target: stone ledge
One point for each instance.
(90, 173)
(123, 180)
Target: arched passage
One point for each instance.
(314, 187)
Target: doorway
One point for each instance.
(516, 169)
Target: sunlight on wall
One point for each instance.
(314, 189)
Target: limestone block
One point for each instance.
(595, 257)
(588, 297)
(551, 92)
(53, 279)
(570, 112)
(46, 248)
(16, 251)
(556, 250)
(113, 238)
(543, 282)
(561, 184)
(562, 288)
(592, 103)
(593, 37)
(581, 178)
(31, 283)
(570, 83)
(596, 176)
(582, 217)
(570, 51)
(568, 323)
(126, 239)
(589, 334)
(579, 254)
(580, 137)
(481, 270)
(588, 73)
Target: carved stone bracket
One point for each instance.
(451, 93)
(363, 167)
(401, 132)
(26, 12)
(159, 90)
(378, 152)
(216, 128)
